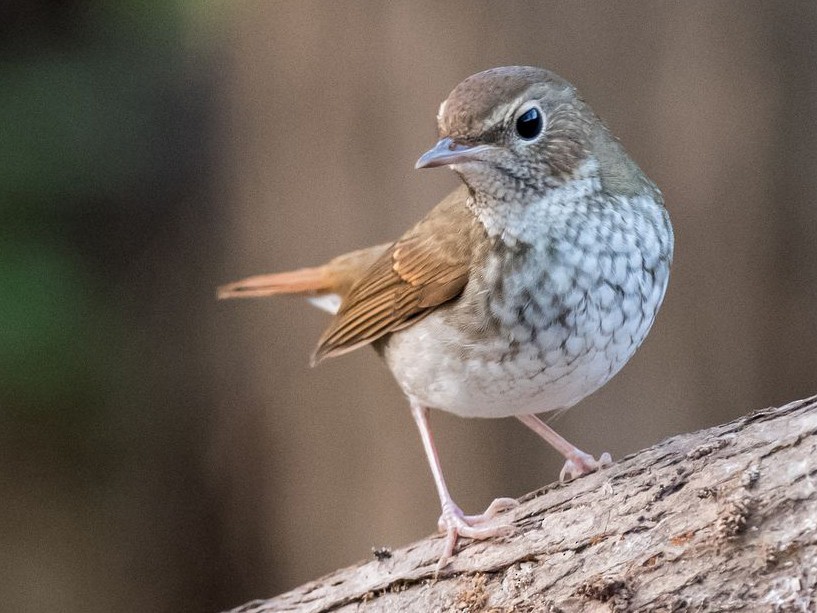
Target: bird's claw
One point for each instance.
(454, 523)
(582, 463)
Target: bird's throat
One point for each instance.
(510, 211)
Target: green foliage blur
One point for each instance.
(105, 132)
(97, 124)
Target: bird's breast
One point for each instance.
(542, 324)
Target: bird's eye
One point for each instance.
(529, 124)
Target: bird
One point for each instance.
(522, 292)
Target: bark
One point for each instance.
(719, 520)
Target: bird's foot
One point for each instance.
(454, 523)
(580, 463)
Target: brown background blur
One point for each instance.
(160, 451)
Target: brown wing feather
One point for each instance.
(426, 268)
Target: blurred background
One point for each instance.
(161, 451)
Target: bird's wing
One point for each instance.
(426, 268)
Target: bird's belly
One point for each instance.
(522, 366)
(441, 367)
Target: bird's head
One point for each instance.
(520, 129)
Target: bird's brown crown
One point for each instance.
(477, 103)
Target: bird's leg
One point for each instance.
(578, 462)
(453, 521)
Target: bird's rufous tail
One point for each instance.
(309, 281)
(335, 277)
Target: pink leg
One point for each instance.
(578, 462)
(453, 521)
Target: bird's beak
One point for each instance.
(446, 152)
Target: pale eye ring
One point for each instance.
(529, 124)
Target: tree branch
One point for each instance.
(721, 519)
